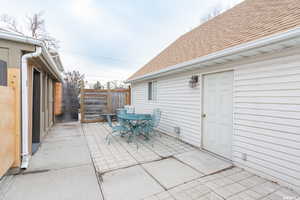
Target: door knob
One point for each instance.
(203, 115)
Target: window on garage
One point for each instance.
(152, 90)
(3, 73)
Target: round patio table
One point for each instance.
(135, 122)
(135, 117)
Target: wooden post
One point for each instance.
(14, 82)
(82, 117)
(129, 95)
(57, 98)
(109, 98)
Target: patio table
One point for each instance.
(135, 122)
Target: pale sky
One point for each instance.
(111, 39)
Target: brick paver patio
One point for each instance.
(213, 178)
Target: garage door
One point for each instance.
(217, 113)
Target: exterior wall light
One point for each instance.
(194, 81)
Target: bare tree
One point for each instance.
(34, 27)
(98, 85)
(117, 84)
(215, 12)
(74, 79)
(11, 24)
(71, 91)
(36, 24)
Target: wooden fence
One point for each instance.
(57, 98)
(7, 128)
(96, 102)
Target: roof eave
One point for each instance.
(256, 44)
(52, 66)
(34, 41)
(19, 38)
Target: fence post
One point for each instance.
(109, 98)
(82, 117)
(129, 95)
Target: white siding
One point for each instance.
(267, 118)
(266, 113)
(179, 103)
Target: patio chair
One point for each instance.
(129, 109)
(121, 111)
(115, 129)
(156, 121)
(121, 121)
(151, 126)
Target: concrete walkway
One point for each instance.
(166, 170)
(60, 170)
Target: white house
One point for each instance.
(232, 86)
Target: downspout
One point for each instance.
(25, 112)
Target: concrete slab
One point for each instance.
(72, 177)
(283, 193)
(5, 183)
(60, 157)
(64, 130)
(78, 183)
(56, 143)
(142, 154)
(171, 172)
(129, 184)
(107, 157)
(190, 191)
(167, 146)
(204, 162)
(64, 146)
(165, 195)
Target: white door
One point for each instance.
(217, 113)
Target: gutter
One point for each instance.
(24, 89)
(269, 40)
(29, 40)
(50, 61)
(20, 38)
(60, 65)
(42, 52)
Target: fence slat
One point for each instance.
(95, 102)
